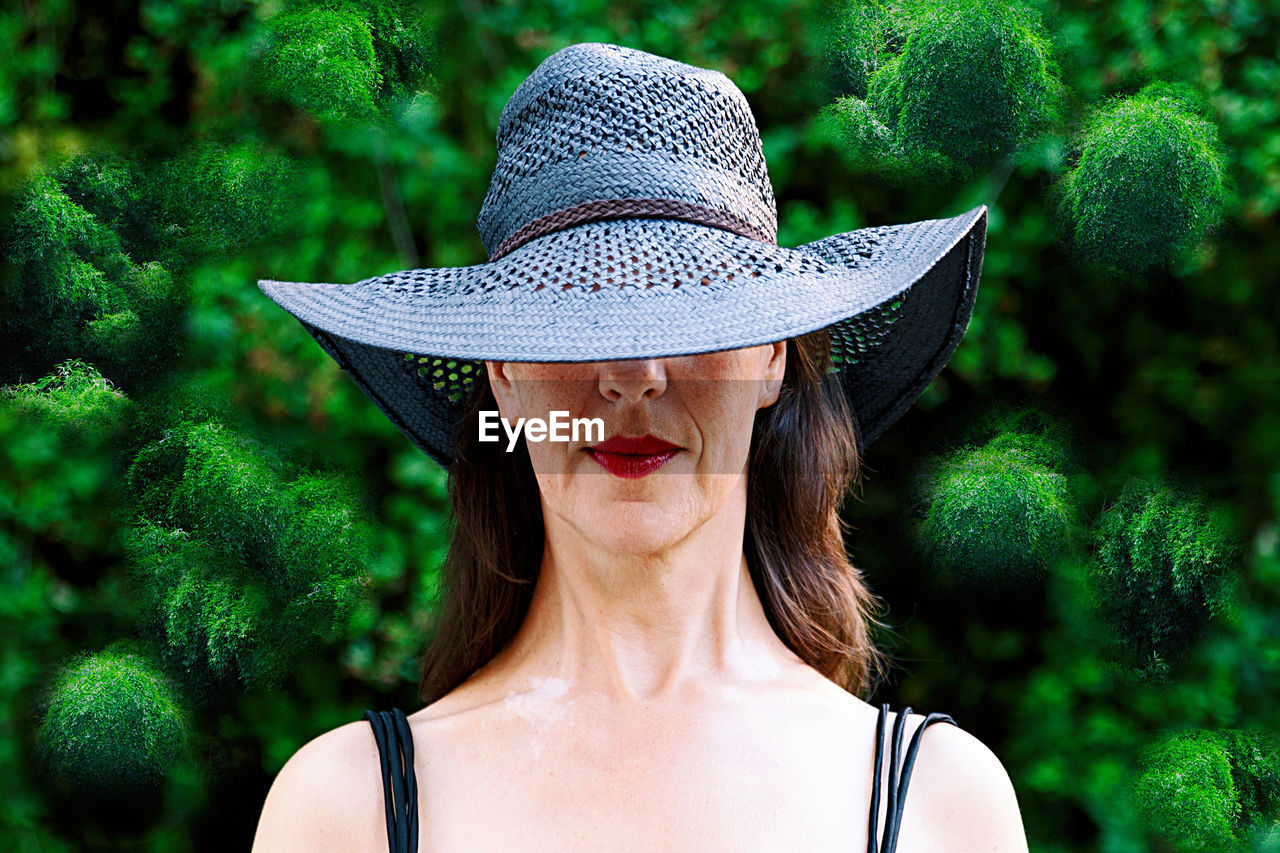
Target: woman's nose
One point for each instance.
(633, 380)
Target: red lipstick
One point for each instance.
(633, 457)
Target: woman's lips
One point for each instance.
(633, 457)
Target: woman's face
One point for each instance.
(627, 496)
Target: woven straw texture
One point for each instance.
(630, 215)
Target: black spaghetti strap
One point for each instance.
(899, 776)
(399, 781)
(873, 822)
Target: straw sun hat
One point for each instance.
(630, 215)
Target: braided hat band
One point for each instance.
(628, 208)
(630, 215)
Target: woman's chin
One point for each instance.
(635, 526)
(633, 515)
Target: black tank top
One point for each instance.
(400, 785)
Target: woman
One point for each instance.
(651, 637)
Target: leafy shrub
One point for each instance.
(1211, 789)
(220, 198)
(78, 291)
(96, 242)
(340, 59)
(1162, 567)
(245, 567)
(857, 37)
(1255, 767)
(403, 42)
(71, 271)
(61, 447)
(973, 81)
(1149, 181)
(1186, 792)
(995, 515)
(114, 725)
(322, 60)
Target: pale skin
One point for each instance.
(645, 703)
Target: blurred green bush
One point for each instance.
(1150, 180)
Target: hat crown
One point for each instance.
(601, 122)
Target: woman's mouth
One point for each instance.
(633, 457)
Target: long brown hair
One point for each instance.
(804, 456)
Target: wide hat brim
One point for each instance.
(896, 300)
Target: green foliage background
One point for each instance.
(1075, 529)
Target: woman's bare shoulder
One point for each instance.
(328, 796)
(961, 792)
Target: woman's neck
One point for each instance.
(640, 627)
